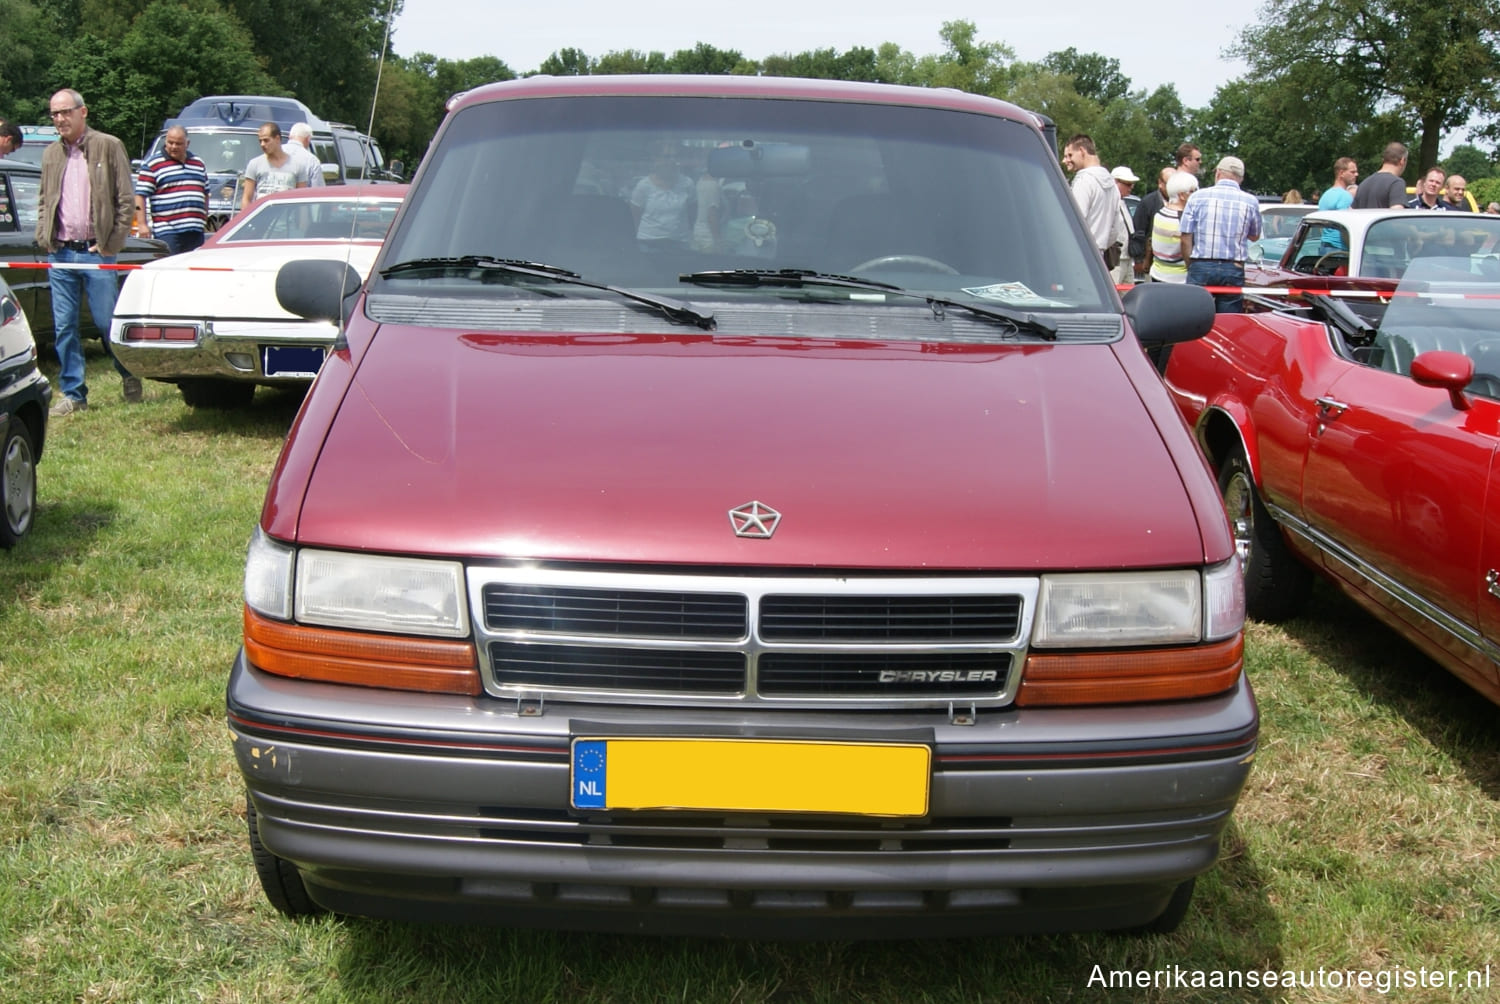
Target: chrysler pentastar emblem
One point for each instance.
(754, 519)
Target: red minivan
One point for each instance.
(741, 506)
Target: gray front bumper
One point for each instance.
(457, 808)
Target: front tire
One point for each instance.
(279, 878)
(17, 483)
(201, 392)
(1276, 583)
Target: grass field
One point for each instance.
(1367, 839)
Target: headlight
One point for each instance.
(1092, 610)
(268, 577)
(379, 593)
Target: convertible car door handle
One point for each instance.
(1329, 408)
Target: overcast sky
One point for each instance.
(524, 34)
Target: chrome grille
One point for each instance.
(889, 618)
(793, 641)
(618, 612)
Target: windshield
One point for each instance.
(653, 192)
(1392, 245)
(223, 151)
(1450, 303)
(321, 219)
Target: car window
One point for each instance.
(353, 157)
(638, 191)
(1322, 249)
(26, 190)
(295, 220)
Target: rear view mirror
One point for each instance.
(750, 159)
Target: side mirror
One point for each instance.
(318, 290)
(1449, 371)
(397, 168)
(1165, 313)
(1256, 254)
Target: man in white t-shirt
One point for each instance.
(275, 170)
(1095, 192)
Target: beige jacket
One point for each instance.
(111, 192)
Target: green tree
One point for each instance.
(857, 63)
(172, 53)
(704, 58)
(966, 64)
(1469, 161)
(31, 45)
(323, 51)
(1095, 77)
(1437, 63)
(567, 62)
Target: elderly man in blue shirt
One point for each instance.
(1218, 225)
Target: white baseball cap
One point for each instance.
(1125, 174)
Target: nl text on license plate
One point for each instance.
(751, 775)
(291, 360)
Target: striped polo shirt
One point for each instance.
(176, 192)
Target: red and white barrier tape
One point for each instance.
(85, 266)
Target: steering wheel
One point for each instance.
(913, 260)
(1339, 258)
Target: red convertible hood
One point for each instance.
(635, 449)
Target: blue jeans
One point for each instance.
(68, 287)
(182, 240)
(1219, 273)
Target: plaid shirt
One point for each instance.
(1223, 220)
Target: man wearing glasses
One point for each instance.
(84, 219)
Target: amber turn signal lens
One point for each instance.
(1131, 676)
(333, 655)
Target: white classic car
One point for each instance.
(208, 320)
(1349, 246)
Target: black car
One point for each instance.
(24, 396)
(20, 186)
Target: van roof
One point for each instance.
(247, 110)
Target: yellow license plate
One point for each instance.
(751, 775)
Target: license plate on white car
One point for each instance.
(291, 361)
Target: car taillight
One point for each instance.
(160, 333)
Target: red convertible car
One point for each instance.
(1361, 445)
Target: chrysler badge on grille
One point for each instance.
(754, 519)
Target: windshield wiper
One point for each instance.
(676, 311)
(800, 277)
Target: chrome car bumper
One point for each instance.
(223, 350)
(457, 808)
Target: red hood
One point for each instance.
(634, 449)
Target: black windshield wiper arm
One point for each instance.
(798, 277)
(677, 311)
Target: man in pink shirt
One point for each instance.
(83, 218)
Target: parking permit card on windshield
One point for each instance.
(751, 775)
(1017, 294)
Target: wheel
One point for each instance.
(17, 483)
(896, 260)
(1330, 262)
(1276, 583)
(202, 392)
(279, 878)
(1177, 907)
